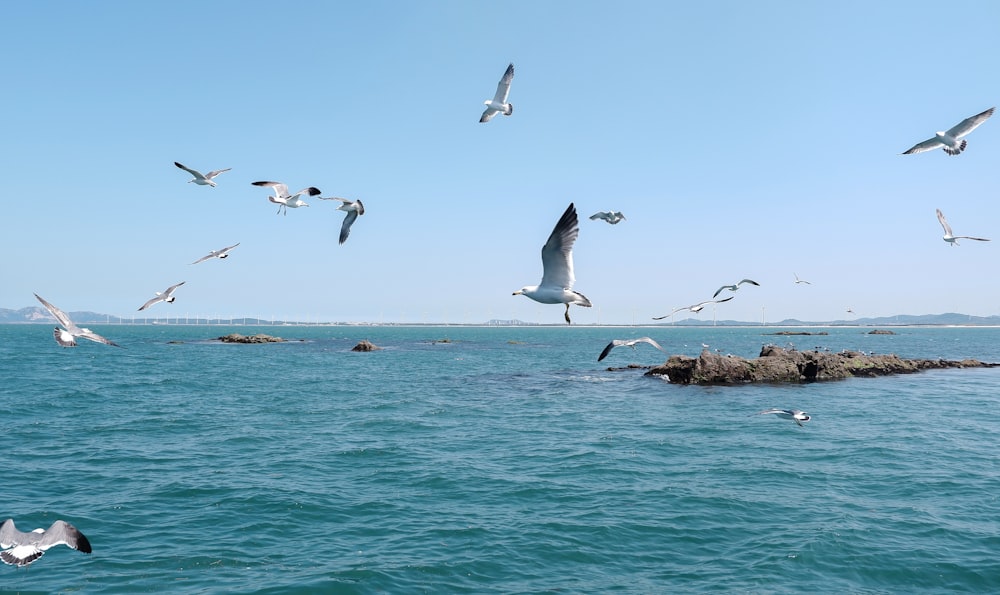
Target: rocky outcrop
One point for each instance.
(780, 365)
(881, 332)
(365, 345)
(258, 338)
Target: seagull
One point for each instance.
(557, 267)
(24, 548)
(735, 287)
(948, 140)
(221, 253)
(166, 296)
(202, 179)
(612, 217)
(283, 199)
(948, 237)
(695, 307)
(66, 336)
(499, 103)
(627, 343)
(353, 208)
(797, 280)
(792, 414)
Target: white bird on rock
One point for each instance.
(499, 105)
(557, 267)
(949, 139)
(22, 548)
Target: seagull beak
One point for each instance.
(518, 292)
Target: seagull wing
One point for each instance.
(503, 87)
(345, 228)
(944, 222)
(969, 124)
(216, 172)
(650, 341)
(557, 253)
(63, 337)
(152, 301)
(608, 349)
(280, 190)
(63, 533)
(719, 290)
(212, 254)
(59, 315)
(928, 145)
(170, 290)
(971, 238)
(92, 336)
(193, 172)
(600, 215)
(9, 535)
(750, 281)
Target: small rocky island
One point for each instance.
(777, 365)
(365, 345)
(258, 338)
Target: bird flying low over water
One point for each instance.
(354, 208)
(948, 236)
(694, 307)
(166, 296)
(221, 253)
(612, 217)
(627, 343)
(283, 199)
(65, 336)
(21, 549)
(949, 139)
(735, 286)
(202, 179)
(792, 414)
(557, 267)
(499, 105)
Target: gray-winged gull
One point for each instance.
(949, 139)
(557, 267)
(627, 343)
(792, 414)
(735, 286)
(354, 208)
(612, 217)
(948, 236)
(694, 307)
(220, 253)
(199, 178)
(24, 548)
(165, 296)
(283, 199)
(65, 336)
(499, 105)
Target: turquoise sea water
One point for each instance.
(505, 460)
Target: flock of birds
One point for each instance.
(556, 287)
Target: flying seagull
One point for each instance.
(499, 103)
(627, 343)
(735, 286)
(202, 179)
(166, 296)
(221, 253)
(353, 208)
(949, 139)
(948, 236)
(694, 307)
(612, 217)
(283, 199)
(22, 549)
(557, 267)
(66, 336)
(797, 280)
(792, 414)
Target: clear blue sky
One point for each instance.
(740, 139)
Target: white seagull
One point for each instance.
(792, 414)
(695, 307)
(499, 104)
(283, 199)
(948, 236)
(557, 267)
(354, 208)
(65, 336)
(797, 280)
(612, 217)
(221, 253)
(22, 549)
(166, 296)
(627, 343)
(735, 286)
(202, 179)
(949, 139)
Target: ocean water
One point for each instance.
(494, 460)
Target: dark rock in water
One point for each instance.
(779, 365)
(881, 332)
(365, 345)
(797, 333)
(258, 338)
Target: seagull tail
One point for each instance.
(510, 110)
(961, 147)
(581, 300)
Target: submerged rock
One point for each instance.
(779, 365)
(258, 338)
(365, 345)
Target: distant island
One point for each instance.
(38, 315)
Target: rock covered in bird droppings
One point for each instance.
(365, 345)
